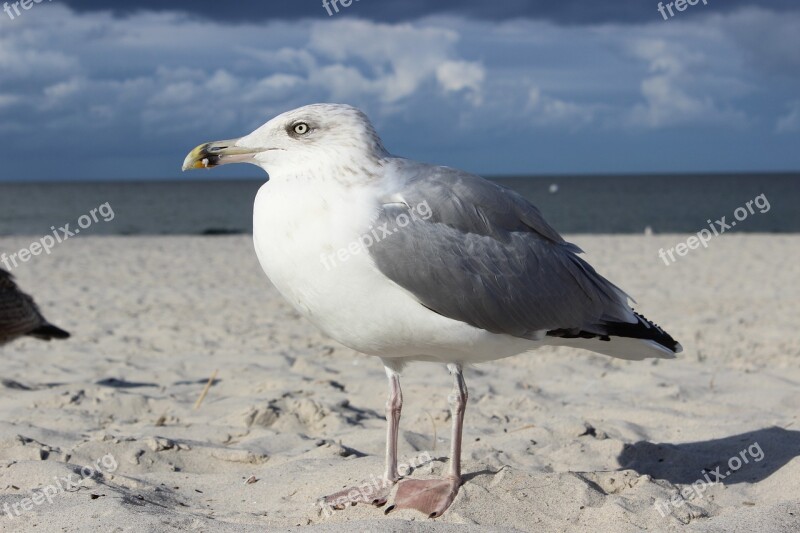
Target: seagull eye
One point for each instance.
(301, 128)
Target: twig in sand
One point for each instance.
(529, 426)
(205, 390)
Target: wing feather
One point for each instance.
(482, 254)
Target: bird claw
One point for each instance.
(431, 497)
(376, 495)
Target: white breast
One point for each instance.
(306, 237)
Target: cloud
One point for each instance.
(567, 12)
(7, 100)
(672, 90)
(369, 63)
(455, 76)
(397, 59)
(96, 82)
(790, 122)
(769, 41)
(546, 110)
(19, 59)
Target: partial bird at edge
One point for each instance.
(20, 316)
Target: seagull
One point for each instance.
(409, 262)
(20, 316)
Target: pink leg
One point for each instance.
(433, 496)
(394, 406)
(377, 493)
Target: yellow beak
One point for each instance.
(217, 153)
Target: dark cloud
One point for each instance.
(560, 11)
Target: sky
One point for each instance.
(95, 90)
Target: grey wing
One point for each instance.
(479, 253)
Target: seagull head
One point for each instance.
(304, 139)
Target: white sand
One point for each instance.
(305, 415)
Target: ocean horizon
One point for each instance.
(623, 204)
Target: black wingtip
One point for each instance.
(49, 332)
(645, 329)
(641, 329)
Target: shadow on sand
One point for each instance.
(745, 458)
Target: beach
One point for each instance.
(109, 430)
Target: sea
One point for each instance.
(628, 204)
